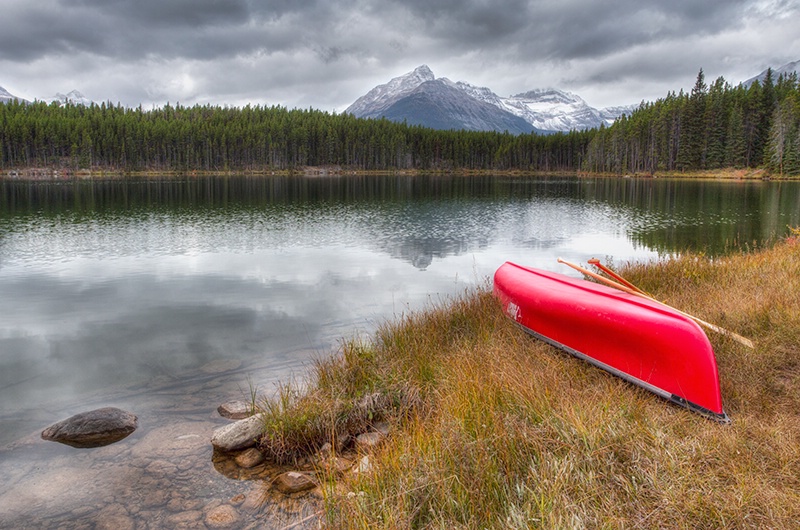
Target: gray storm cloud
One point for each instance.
(326, 54)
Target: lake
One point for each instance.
(167, 297)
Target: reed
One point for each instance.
(504, 431)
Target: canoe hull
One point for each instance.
(641, 341)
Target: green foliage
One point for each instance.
(712, 127)
(177, 138)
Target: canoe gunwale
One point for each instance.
(675, 399)
(645, 343)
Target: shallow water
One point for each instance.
(168, 297)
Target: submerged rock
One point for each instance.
(293, 482)
(249, 458)
(224, 516)
(235, 410)
(94, 428)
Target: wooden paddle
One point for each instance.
(638, 292)
(614, 275)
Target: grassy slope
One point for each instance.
(502, 431)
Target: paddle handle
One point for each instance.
(722, 331)
(617, 277)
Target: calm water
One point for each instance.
(140, 294)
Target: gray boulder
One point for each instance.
(238, 435)
(94, 428)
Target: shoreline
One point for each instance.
(497, 413)
(58, 174)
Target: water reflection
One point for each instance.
(105, 282)
(712, 216)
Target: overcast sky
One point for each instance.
(326, 53)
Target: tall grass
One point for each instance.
(504, 431)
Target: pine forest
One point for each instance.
(714, 126)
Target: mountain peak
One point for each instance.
(74, 97)
(383, 96)
(786, 69)
(410, 95)
(441, 104)
(423, 71)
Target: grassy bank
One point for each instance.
(493, 429)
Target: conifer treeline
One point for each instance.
(709, 128)
(217, 138)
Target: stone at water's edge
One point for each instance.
(238, 435)
(94, 428)
(235, 410)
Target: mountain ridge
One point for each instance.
(543, 110)
(439, 104)
(6, 96)
(788, 68)
(74, 97)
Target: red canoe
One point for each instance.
(641, 341)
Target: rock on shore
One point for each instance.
(238, 435)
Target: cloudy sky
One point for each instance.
(326, 53)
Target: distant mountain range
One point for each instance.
(74, 97)
(419, 98)
(785, 70)
(6, 96)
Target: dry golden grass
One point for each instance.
(507, 432)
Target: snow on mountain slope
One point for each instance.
(610, 114)
(776, 72)
(544, 109)
(439, 104)
(74, 97)
(6, 96)
(554, 110)
(382, 96)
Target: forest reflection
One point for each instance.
(666, 215)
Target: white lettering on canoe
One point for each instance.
(513, 310)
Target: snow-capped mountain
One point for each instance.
(558, 110)
(776, 72)
(74, 97)
(610, 114)
(543, 110)
(6, 96)
(551, 109)
(383, 96)
(439, 104)
(418, 98)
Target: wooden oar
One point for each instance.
(614, 275)
(722, 331)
